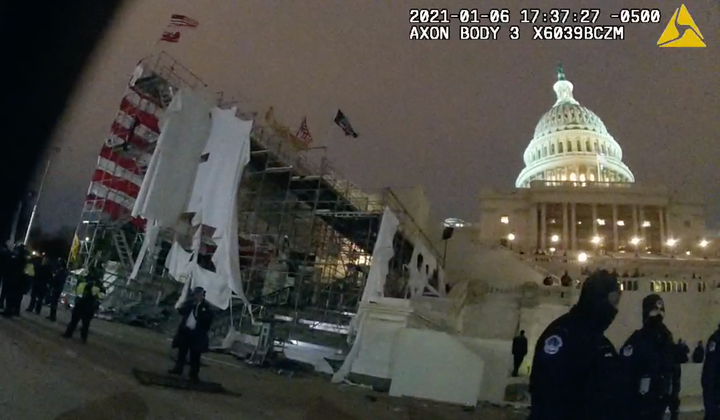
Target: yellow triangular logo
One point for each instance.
(681, 31)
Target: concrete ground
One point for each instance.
(47, 377)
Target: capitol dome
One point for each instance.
(572, 144)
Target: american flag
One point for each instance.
(183, 21)
(304, 132)
(170, 36)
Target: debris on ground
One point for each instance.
(177, 382)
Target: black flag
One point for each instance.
(342, 122)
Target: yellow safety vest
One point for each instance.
(96, 292)
(29, 270)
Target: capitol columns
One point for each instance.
(594, 219)
(663, 236)
(543, 226)
(573, 224)
(616, 238)
(565, 238)
(635, 221)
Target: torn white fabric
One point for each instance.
(217, 291)
(420, 277)
(178, 262)
(169, 179)
(344, 370)
(382, 253)
(225, 155)
(148, 246)
(213, 198)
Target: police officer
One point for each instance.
(57, 285)
(649, 358)
(15, 281)
(40, 284)
(576, 370)
(89, 292)
(711, 377)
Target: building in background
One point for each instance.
(575, 195)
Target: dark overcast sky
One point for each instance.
(454, 116)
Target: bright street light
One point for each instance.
(511, 237)
(596, 239)
(635, 240)
(582, 257)
(554, 238)
(704, 243)
(671, 242)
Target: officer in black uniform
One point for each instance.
(711, 377)
(576, 370)
(649, 360)
(14, 283)
(57, 285)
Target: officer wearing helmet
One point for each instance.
(711, 377)
(648, 357)
(576, 370)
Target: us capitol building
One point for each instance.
(576, 195)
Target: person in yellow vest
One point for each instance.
(89, 292)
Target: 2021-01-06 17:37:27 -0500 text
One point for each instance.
(514, 32)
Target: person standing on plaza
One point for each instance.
(519, 351)
(192, 334)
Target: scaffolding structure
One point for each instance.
(306, 235)
(109, 236)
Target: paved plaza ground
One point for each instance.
(47, 377)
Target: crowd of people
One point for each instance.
(22, 273)
(577, 373)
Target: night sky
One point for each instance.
(454, 116)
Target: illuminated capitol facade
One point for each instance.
(576, 195)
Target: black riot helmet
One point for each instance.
(599, 298)
(652, 306)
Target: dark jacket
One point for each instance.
(682, 353)
(698, 354)
(711, 377)
(519, 346)
(41, 280)
(57, 283)
(649, 359)
(576, 372)
(197, 339)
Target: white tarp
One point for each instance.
(178, 261)
(169, 179)
(225, 155)
(382, 253)
(214, 194)
(214, 202)
(420, 277)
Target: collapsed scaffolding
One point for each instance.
(306, 235)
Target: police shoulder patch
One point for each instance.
(627, 350)
(711, 346)
(552, 344)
